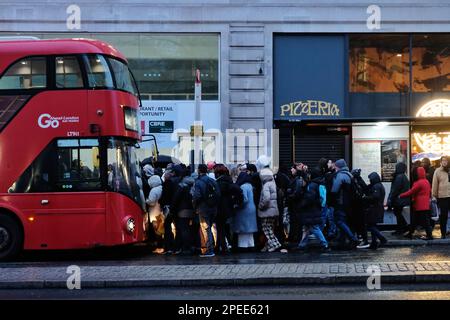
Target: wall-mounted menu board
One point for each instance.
(379, 156)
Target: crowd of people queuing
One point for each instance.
(215, 210)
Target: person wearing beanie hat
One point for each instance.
(341, 197)
(340, 164)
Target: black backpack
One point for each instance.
(212, 195)
(237, 196)
(355, 191)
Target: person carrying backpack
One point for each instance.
(342, 195)
(314, 199)
(182, 207)
(206, 197)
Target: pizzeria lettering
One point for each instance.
(309, 108)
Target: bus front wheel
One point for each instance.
(11, 237)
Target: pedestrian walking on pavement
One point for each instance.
(399, 185)
(375, 209)
(311, 210)
(441, 191)
(342, 198)
(421, 196)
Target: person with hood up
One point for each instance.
(182, 206)
(441, 191)
(341, 197)
(399, 185)
(375, 211)
(154, 209)
(268, 205)
(311, 211)
(421, 195)
(244, 223)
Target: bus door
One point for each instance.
(64, 195)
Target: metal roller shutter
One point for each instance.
(309, 148)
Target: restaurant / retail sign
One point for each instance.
(310, 108)
(309, 77)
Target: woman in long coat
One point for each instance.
(244, 222)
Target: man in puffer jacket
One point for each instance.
(268, 205)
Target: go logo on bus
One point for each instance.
(46, 121)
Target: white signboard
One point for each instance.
(367, 157)
(166, 119)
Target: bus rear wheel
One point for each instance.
(11, 238)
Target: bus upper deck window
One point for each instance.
(98, 72)
(68, 72)
(28, 73)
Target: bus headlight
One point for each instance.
(131, 119)
(130, 225)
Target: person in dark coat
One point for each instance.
(429, 170)
(172, 177)
(357, 221)
(329, 177)
(182, 206)
(207, 213)
(399, 185)
(225, 208)
(375, 211)
(294, 196)
(282, 181)
(257, 187)
(311, 211)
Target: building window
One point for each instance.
(28, 73)
(431, 62)
(68, 72)
(165, 69)
(379, 63)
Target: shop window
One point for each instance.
(28, 73)
(379, 63)
(68, 72)
(431, 62)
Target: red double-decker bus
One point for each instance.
(69, 176)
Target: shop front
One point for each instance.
(374, 100)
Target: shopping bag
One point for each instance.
(434, 210)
